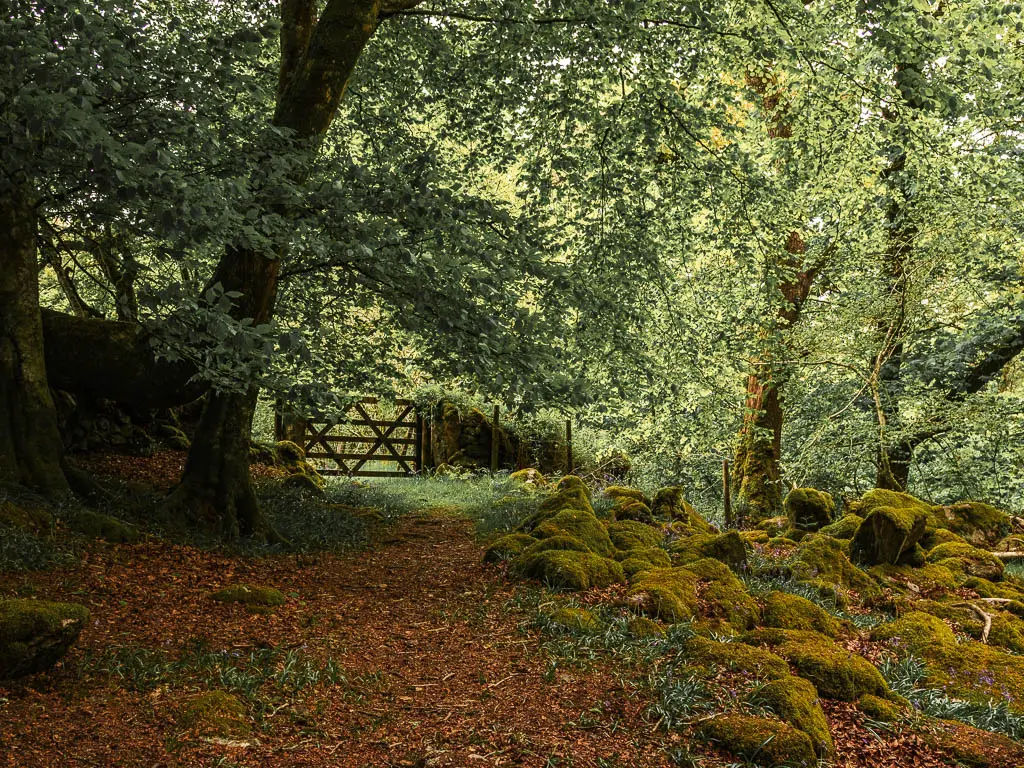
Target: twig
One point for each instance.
(986, 617)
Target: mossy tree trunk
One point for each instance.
(318, 55)
(30, 448)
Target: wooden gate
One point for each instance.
(363, 443)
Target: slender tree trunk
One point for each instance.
(30, 447)
(756, 478)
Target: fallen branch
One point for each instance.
(986, 617)
(1015, 555)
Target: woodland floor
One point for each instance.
(437, 668)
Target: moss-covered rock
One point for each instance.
(289, 454)
(762, 741)
(27, 517)
(639, 560)
(977, 523)
(306, 481)
(565, 497)
(809, 509)
(97, 526)
(643, 628)
(843, 528)
(530, 477)
(722, 597)
(216, 714)
(561, 541)
(581, 525)
(975, 671)
(628, 534)
(965, 560)
(786, 611)
(974, 747)
(630, 509)
(508, 547)
(574, 619)
(669, 594)
(728, 548)
(823, 559)
(35, 634)
(249, 595)
(773, 526)
(880, 709)
(934, 536)
(887, 533)
(670, 504)
(621, 494)
(924, 581)
(836, 672)
(570, 570)
(795, 700)
(761, 664)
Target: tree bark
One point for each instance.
(30, 448)
(318, 56)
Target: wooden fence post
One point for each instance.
(726, 498)
(495, 439)
(568, 448)
(420, 427)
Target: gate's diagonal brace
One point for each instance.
(382, 438)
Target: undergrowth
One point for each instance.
(904, 675)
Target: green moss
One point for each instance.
(978, 523)
(628, 534)
(289, 454)
(570, 570)
(962, 558)
(887, 533)
(561, 541)
(787, 611)
(795, 700)
(174, 438)
(879, 497)
(97, 526)
(836, 672)
(573, 482)
(761, 664)
(764, 742)
(640, 560)
(1006, 631)
(309, 481)
(809, 509)
(722, 596)
(754, 536)
(974, 747)
(25, 516)
(781, 542)
(530, 477)
(1007, 589)
(924, 581)
(216, 713)
(843, 528)
(630, 509)
(643, 628)
(669, 504)
(729, 548)
(669, 594)
(933, 537)
(580, 525)
(621, 494)
(575, 619)
(35, 634)
(879, 709)
(570, 497)
(773, 526)
(822, 559)
(249, 595)
(507, 547)
(972, 670)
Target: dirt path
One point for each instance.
(438, 672)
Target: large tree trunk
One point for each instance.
(30, 446)
(756, 478)
(317, 59)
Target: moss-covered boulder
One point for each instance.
(621, 494)
(35, 634)
(705, 653)
(977, 523)
(637, 561)
(893, 523)
(974, 747)
(643, 628)
(571, 619)
(809, 509)
(105, 527)
(247, 594)
(877, 708)
(795, 701)
(786, 611)
(507, 547)
(570, 570)
(581, 525)
(773, 526)
(723, 599)
(975, 671)
(924, 581)
(570, 496)
(629, 534)
(843, 528)
(836, 672)
(27, 517)
(530, 477)
(823, 560)
(729, 548)
(669, 594)
(964, 560)
(215, 714)
(670, 504)
(289, 454)
(762, 741)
